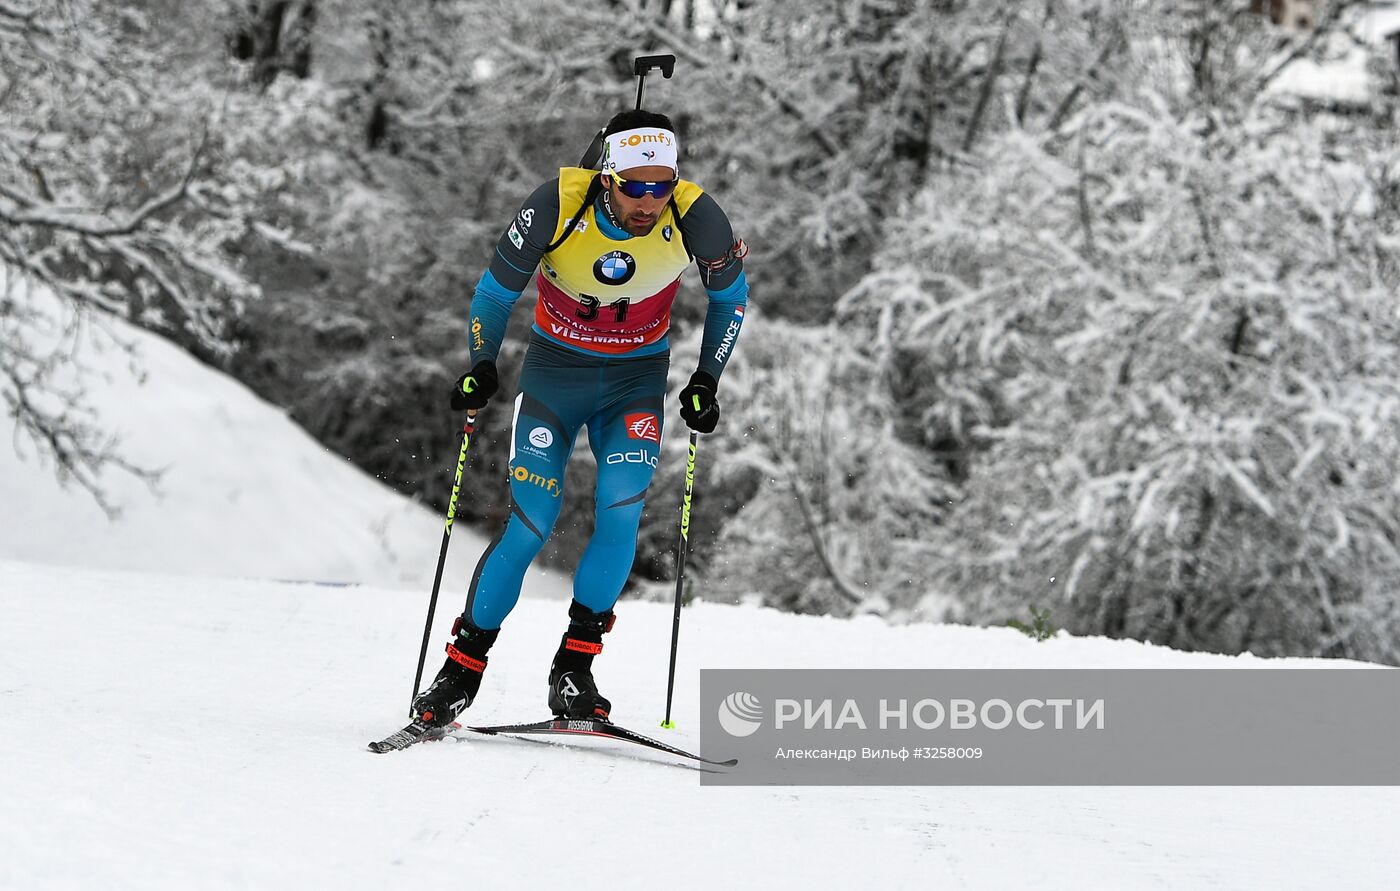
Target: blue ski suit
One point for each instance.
(598, 357)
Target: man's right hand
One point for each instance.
(475, 388)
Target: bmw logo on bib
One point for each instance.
(614, 268)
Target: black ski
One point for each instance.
(415, 732)
(595, 727)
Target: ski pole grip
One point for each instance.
(666, 62)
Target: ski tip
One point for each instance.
(413, 734)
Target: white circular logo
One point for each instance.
(740, 714)
(542, 437)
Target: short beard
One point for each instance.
(620, 223)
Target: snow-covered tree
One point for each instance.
(816, 478)
(1166, 332)
(114, 198)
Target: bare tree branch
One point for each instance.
(19, 210)
(804, 506)
(1023, 97)
(984, 96)
(815, 129)
(1067, 103)
(66, 434)
(17, 13)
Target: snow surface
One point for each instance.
(174, 722)
(167, 733)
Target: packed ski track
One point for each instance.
(172, 732)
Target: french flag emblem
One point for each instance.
(739, 311)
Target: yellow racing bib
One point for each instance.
(604, 294)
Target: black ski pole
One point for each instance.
(680, 574)
(467, 430)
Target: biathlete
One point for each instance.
(607, 249)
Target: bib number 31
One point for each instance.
(589, 310)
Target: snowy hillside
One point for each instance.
(244, 492)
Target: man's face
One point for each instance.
(639, 215)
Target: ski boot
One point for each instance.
(572, 691)
(457, 684)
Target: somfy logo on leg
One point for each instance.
(740, 714)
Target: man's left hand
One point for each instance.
(700, 403)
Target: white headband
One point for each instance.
(640, 147)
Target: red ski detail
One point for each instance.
(594, 727)
(461, 658)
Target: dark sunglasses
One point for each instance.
(635, 188)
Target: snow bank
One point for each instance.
(243, 491)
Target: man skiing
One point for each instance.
(610, 247)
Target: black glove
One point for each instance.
(474, 388)
(700, 404)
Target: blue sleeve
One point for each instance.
(491, 306)
(723, 320)
(720, 257)
(517, 255)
